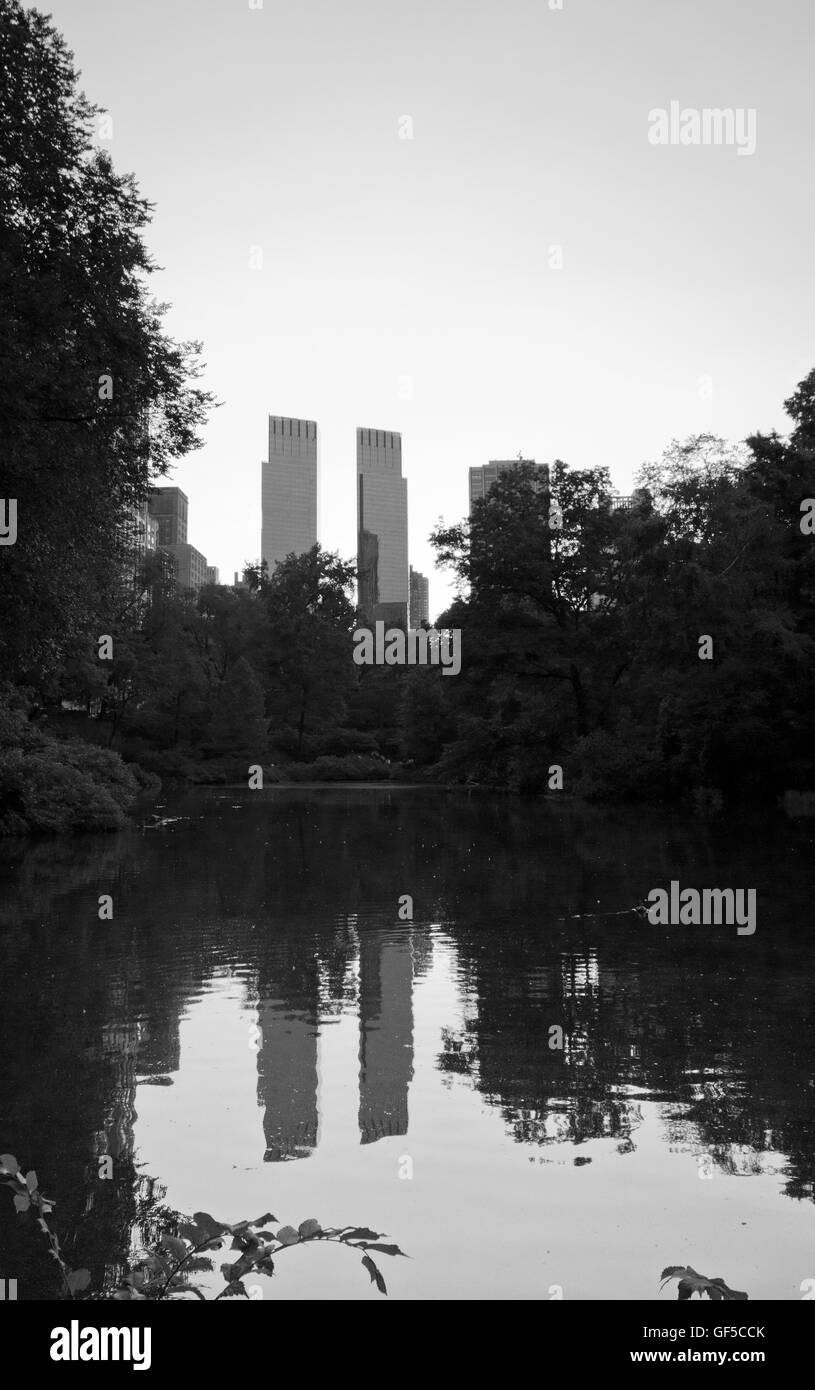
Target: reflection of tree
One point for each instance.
(640, 1007)
(288, 887)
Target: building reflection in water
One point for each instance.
(290, 1028)
(385, 1035)
(288, 1018)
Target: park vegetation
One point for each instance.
(583, 623)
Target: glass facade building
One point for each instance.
(289, 490)
(382, 539)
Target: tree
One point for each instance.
(95, 399)
(309, 666)
(582, 641)
(239, 724)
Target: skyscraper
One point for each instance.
(482, 479)
(382, 546)
(419, 599)
(289, 489)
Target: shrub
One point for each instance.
(50, 796)
(48, 786)
(104, 766)
(354, 767)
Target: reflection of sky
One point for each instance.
(483, 1216)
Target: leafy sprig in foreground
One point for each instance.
(163, 1271)
(690, 1283)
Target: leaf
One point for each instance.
(9, 1163)
(234, 1289)
(194, 1234)
(258, 1221)
(287, 1235)
(376, 1277)
(233, 1272)
(727, 1294)
(309, 1228)
(386, 1249)
(79, 1280)
(22, 1201)
(691, 1282)
(209, 1225)
(175, 1246)
(31, 1181)
(361, 1233)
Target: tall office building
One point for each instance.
(213, 574)
(482, 479)
(289, 489)
(382, 543)
(419, 599)
(169, 505)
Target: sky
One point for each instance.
(448, 218)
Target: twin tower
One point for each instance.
(289, 498)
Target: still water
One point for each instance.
(258, 1030)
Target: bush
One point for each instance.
(49, 786)
(104, 766)
(618, 767)
(338, 743)
(170, 764)
(355, 767)
(41, 793)
(149, 783)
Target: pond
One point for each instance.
(528, 1086)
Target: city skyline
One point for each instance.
(390, 288)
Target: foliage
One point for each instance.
(690, 1283)
(238, 722)
(50, 785)
(309, 618)
(580, 619)
(581, 640)
(29, 1201)
(354, 767)
(95, 399)
(164, 1271)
